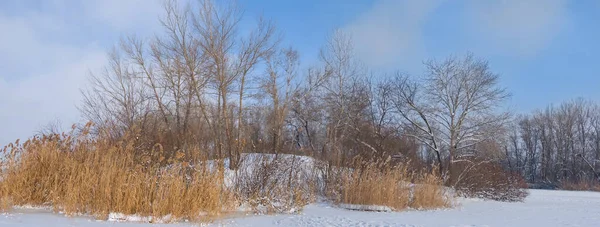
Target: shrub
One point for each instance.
(487, 179)
(275, 183)
(580, 186)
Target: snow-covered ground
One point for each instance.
(542, 208)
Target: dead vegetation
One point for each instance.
(429, 193)
(489, 180)
(276, 183)
(383, 184)
(581, 186)
(78, 175)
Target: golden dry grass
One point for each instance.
(373, 186)
(81, 175)
(429, 193)
(95, 177)
(383, 185)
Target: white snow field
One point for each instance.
(541, 208)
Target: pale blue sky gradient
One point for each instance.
(546, 51)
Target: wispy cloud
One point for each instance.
(521, 27)
(123, 15)
(390, 32)
(30, 103)
(41, 79)
(42, 71)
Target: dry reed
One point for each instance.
(429, 192)
(87, 175)
(380, 184)
(84, 176)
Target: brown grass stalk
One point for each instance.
(94, 177)
(81, 175)
(429, 192)
(381, 184)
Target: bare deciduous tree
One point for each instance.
(115, 99)
(279, 86)
(453, 108)
(169, 77)
(231, 60)
(559, 145)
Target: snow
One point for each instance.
(25, 218)
(119, 217)
(358, 207)
(249, 162)
(541, 208)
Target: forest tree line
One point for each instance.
(559, 143)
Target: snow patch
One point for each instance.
(31, 207)
(541, 208)
(360, 207)
(119, 217)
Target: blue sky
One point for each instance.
(544, 50)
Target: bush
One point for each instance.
(275, 184)
(488, 180)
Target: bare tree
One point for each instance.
(279, 86)
(453, 108)
(308, 112)
(170, 78)
(231, 60)
(115, 99)
(343, 70)
(530, 135)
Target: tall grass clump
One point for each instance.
(379, 183)
(429, 192)
(81, 175)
